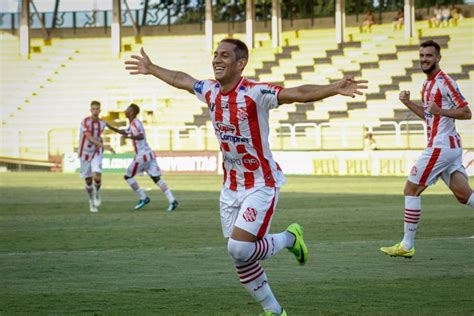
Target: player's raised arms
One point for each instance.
(142, 65)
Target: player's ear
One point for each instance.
(242, 63)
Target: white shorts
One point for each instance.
(434, 163)
(144, 163)
(251, 210)
(88, 167)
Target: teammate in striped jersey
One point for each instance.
(239, 110)
(144, 160)
(90, 154)
(442, 104)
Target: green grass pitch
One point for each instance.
(58, 258)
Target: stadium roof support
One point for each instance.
(25, 29)
(116, 36)
(250, 23)
(409, 18)
(340, 20)
(276, 24)
(208, 25)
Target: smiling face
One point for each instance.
(429, 60)
(227, 68)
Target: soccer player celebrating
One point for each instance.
(144, 160)
(90, 154)
(239, 110)
(442, 104)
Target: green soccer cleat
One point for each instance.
(270, 313)
(299, 249)
(141, 204)
(397, 250)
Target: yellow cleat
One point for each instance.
(299, 249)
(397, 250)
(270, 313)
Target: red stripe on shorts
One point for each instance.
(268, 216)
(429, 167)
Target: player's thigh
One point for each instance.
(256, 211)
(134, 168)
(152, 168)
(459, 185)
(96, 164)
(430, 165)
(85, 168)
(229, 210)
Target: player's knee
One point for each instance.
(239, 250)
(88, 181)
(156, 179)
(125, 177)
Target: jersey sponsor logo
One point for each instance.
(250, 214)
(234, 139)
(212, 106)
(225, 105)
(250, 162)
(225, 128)
(414, 171)
(198, 86)
(231, 160)
(267, 91)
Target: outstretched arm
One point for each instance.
(143, 65)
(309, 93)
(121, 132)
(415, 108)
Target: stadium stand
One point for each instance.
(64, 75)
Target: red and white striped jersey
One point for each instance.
(444, 91)
(141, 146)
(241, 123)
(87, 149)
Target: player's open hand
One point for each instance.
(139, 64)
(433, 108)
(404, 96)
(350, 87)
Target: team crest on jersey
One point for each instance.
(242, 114)
(267, 91)
(414, 171)
(250, 214)
(250, 162)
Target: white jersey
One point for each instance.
(445, 93)
(240, 120)
(141, 146)
(87, 150)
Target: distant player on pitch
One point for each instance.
(239, 110)
(91, 150)
(442, 104)
(144, 160)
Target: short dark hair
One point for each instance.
(241, 50)
(135, 108)
(94, 102)
(431, 43)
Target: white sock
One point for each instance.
(164, 188)
(135, 187)
(90, 191)
(254, 279)
(411, 218)
(470, 202)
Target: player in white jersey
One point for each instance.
(239, 109)
(90, 154)
(442, 104)
(144, 160)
